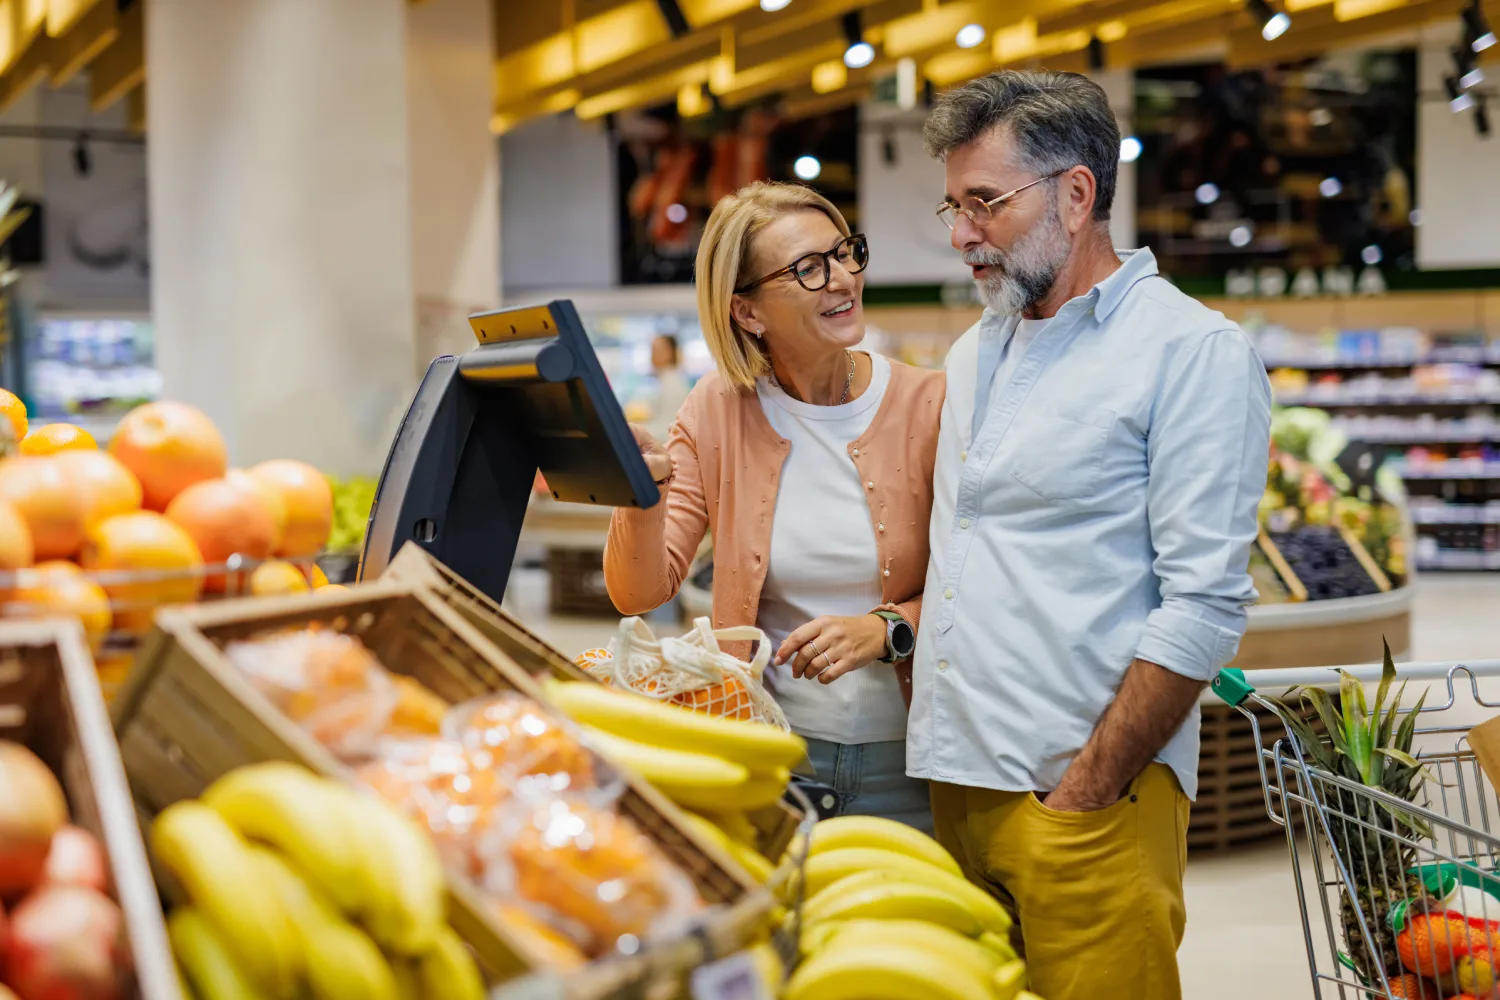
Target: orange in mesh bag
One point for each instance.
(590, 870)
(692, 671)
(524, 741)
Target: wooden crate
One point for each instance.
(415, 566)
(50, 702)
(577, 586)
(187, 715)
(1230, 810)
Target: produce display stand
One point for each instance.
(50, 703)
(186, 716)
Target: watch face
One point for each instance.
(903, 639)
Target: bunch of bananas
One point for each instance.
(888, 915)
(298, 886)
(719, 767)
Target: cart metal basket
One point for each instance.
(1398, 899)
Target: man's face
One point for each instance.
(1016, 255)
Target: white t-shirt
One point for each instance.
(823, 562)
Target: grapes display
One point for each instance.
(1323, 561)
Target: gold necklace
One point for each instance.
(848, 381)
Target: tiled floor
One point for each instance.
(1244, 938)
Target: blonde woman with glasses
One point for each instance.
(810, 464)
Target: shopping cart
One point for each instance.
(1402, 887)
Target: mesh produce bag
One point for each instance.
(691, 671)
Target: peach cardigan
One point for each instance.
(728, 464)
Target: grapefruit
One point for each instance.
(309, 504)
(48, 500)
(13, 410)
(107, 487)
(16, 549)
(49, 439)
(277, 577)
(61, 588)
(169, 447)
(271, 498)
(144, 559)
(224, 520)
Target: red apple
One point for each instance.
(66, 944)
(75, 859)
(32, 809)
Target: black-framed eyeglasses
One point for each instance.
(982, 212)
(812, 270)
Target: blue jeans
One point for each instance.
(870, 780)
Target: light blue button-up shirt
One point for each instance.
(1096, 508)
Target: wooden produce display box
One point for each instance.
(187, 715)
(50, 703)
(775, 825)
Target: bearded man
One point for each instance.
(1102, 453)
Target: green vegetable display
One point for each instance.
(352, 500)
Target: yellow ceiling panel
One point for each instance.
(556, 103)
(83, 42)
(63, 14)
(655, 90)
(703, 13)
(621, 32)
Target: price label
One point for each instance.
(732, 978)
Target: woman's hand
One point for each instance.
(658, 461)
(828, 648)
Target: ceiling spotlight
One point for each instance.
(970, 36)
(1320, 117)
(1372, 255)
(1414, 217)
(807, 168)
(1458, 99)
(1464, 63)
(677, 213)
(1207, 193)
(773, 5)
(83, 161)
(1096, 53)
(1240, 236)
(1471, 79)
(1130, 149)
(1482, 117)
(1476, 29)
(1330, 187)
(1273, 23)
(860, 53)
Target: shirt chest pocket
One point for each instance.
(1060, 452)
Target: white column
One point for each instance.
(1458, 170)
(455, 171)
(281, 230)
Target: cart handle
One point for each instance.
(1231, 686)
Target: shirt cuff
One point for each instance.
(1187, 645)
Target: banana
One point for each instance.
(1009, 980)
(769, 966)
(707, 829)
(203, 960)
(692, 780)
(828, 868)
(999, 944)
(408, 985)
(896, 900)
(344, 964)
(886, 834)
(881, 970)
(213, 865)
(304, 905)
(755, 745)
(448, 970)
(752, 861)
(940, 940)
(301, 815)
(410, 915)
(736, 826)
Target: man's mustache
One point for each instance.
(983, 258)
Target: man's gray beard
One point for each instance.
(1028, 269)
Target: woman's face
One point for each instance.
(796, 320)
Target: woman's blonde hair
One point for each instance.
(723, 264)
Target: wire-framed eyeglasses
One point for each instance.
(981, 212)
(812, 270)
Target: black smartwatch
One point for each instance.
(900, 637)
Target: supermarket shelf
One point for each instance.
(1322, 614)
(1425, 437)
(1458, 559)
(1460, 469)
(1455, 514)
(1326, 400)
(1366, 364)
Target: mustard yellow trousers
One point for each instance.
(1097, 896)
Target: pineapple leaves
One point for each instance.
(1358, 734)
(1322, 702)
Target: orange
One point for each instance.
(729, 699)
(1431, 942)
(277, 577)
(169, 447)
(275, 506)
(16, 549)
(144, 560)
(48, 500)
(224, 520)
(12, 409)
(49, 439)
(333, 588)
(61, 588)
(107, 487)
(317, 577)
(309, 504)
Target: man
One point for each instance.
(1102, 452)
(671, 385)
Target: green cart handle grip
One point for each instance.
(1232, 687)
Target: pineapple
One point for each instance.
(1373, 748)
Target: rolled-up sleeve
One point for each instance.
(1207, 449)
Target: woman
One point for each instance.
(811, 465)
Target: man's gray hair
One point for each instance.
(1058, 121)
